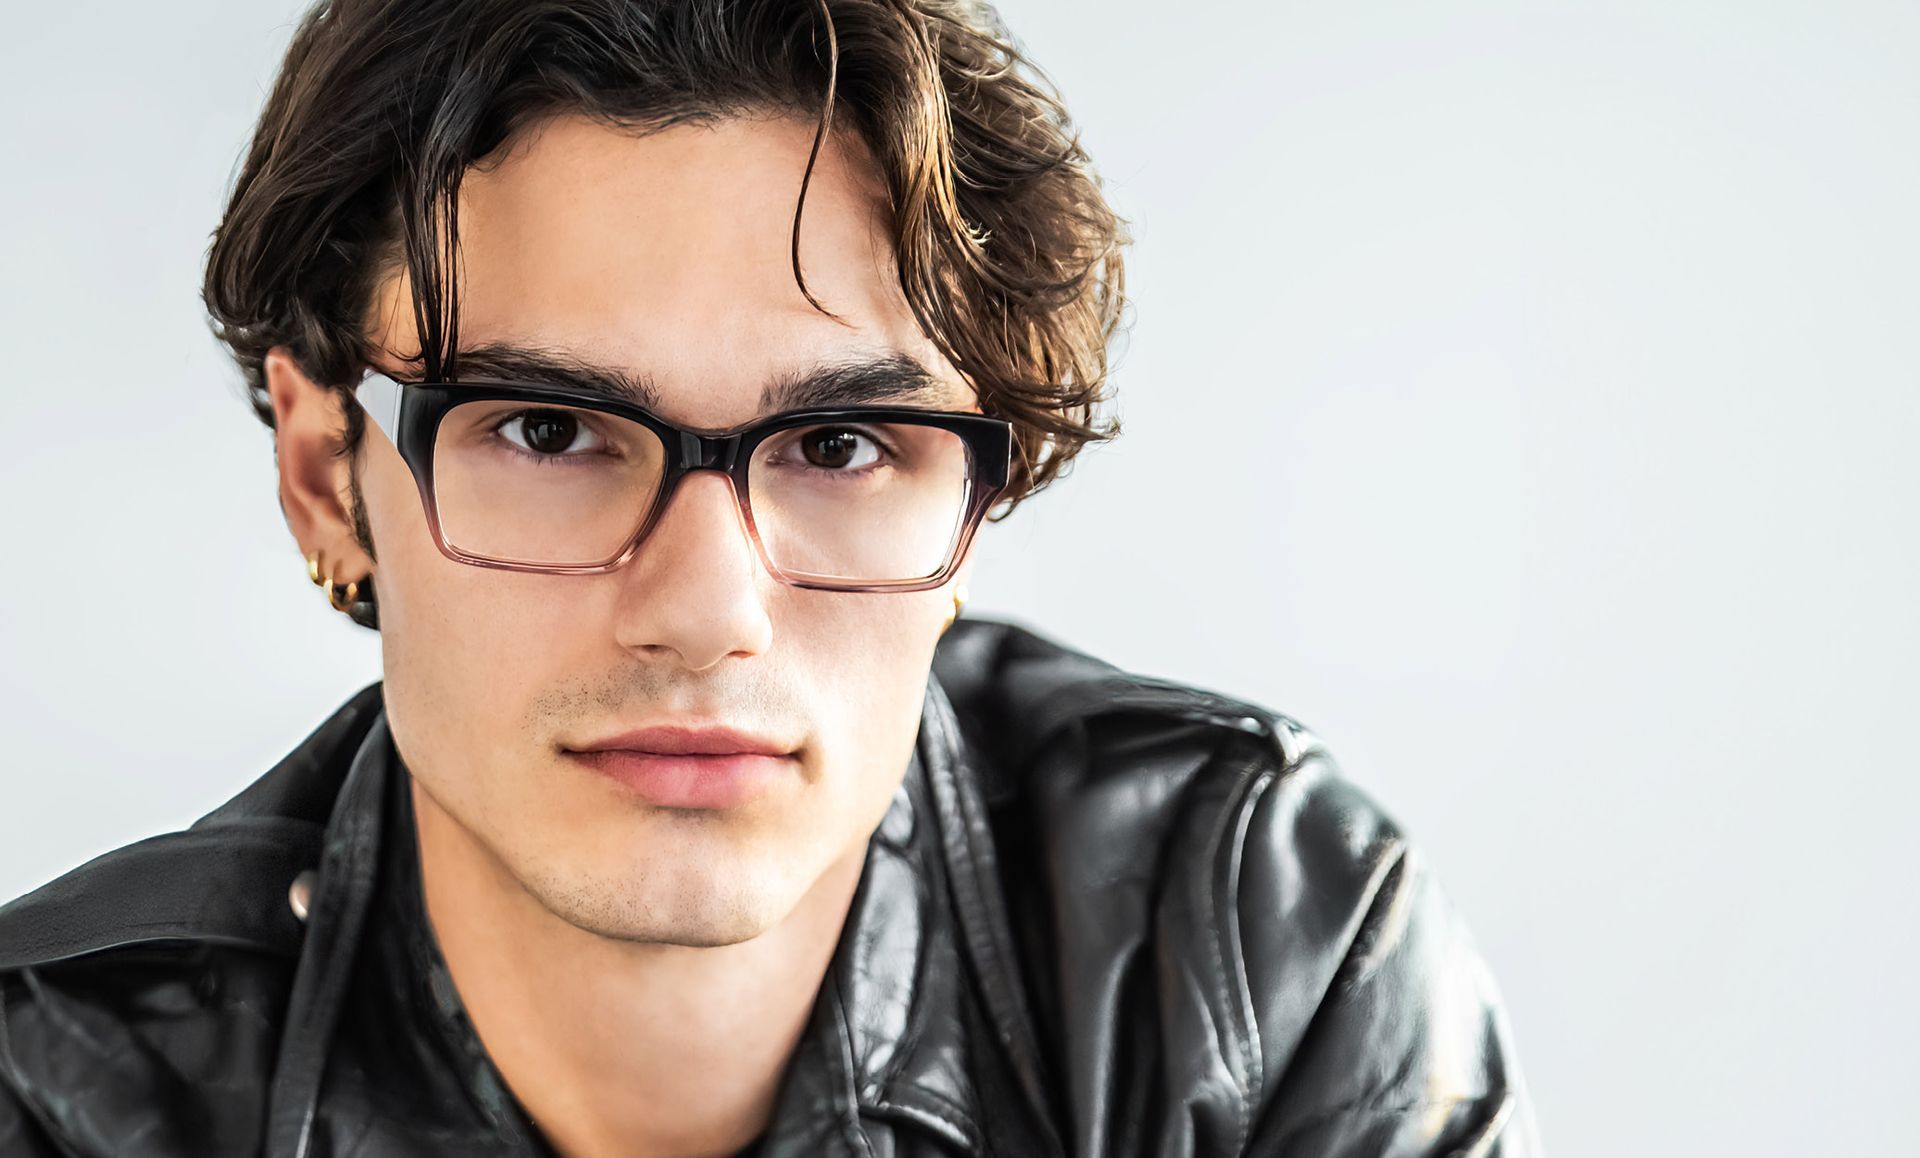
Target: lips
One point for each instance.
(678, 740)
(687, 767)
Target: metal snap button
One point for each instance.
(300, 893)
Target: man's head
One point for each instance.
(608, 183)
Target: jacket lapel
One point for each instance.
(890, 1053)
(336, 916)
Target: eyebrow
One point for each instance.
(890, 377)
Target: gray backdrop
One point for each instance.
(1565, 355)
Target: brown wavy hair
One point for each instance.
(1007, 251)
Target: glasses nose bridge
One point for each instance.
(709, 451)
(715, 452)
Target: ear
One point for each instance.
(315, 483)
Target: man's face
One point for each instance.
(665, 256)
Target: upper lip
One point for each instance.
(676, 740)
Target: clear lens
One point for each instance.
(535, 483)
(541, 484)
(865, 501)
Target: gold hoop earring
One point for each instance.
(342, 602)
(336, 599)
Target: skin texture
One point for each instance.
(640, 975)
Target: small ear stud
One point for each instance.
(959, 600)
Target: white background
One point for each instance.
(1520, 394)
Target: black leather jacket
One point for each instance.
(1105, 915)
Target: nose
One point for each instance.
(695, 586)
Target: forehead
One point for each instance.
(667, 257)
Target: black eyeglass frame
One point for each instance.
(410, 413)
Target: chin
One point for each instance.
(711, 905)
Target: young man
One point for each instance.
(658, 359)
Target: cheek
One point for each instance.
(863, 640)
(464, 649)
(865, 659)
(460, 612)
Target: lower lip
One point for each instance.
(689, 781)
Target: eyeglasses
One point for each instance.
(565, 480)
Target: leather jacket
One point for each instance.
(1105, 914)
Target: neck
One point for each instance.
(619, 1047)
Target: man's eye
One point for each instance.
(839, 448)
(545, 433)
(851, 452)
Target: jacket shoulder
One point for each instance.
(1200, 886)
(1374, 1022)
(143, 993)
(222, 880)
